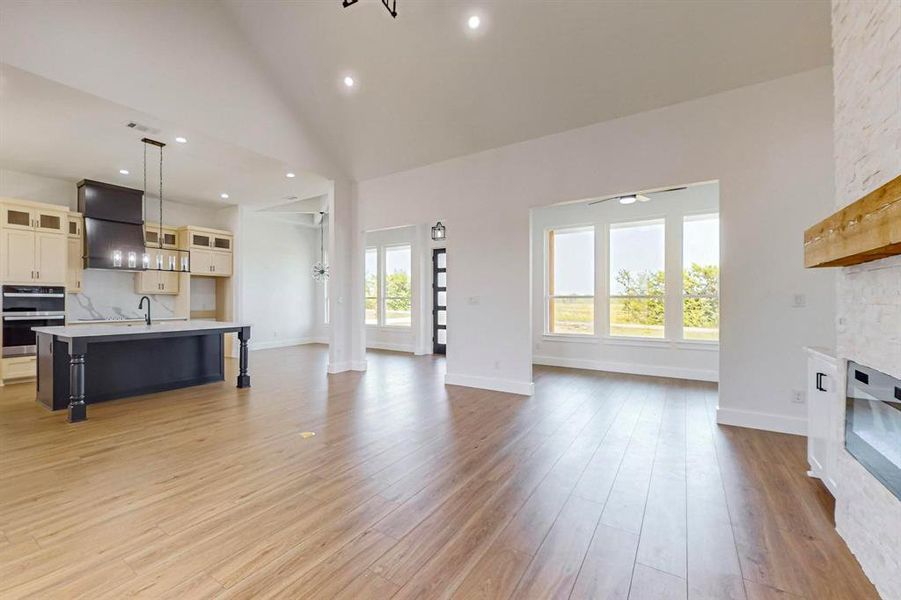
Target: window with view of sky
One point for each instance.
(571, 281)
(398, 289)
(700, 277)
(637, 263)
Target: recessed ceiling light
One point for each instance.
(224, 196)
(474, 22)
(123, 171)
(349, 81)
(181, 140)
(290, 175)
(627, 200)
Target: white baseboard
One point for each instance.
(389, 346)
(522, 388)
(753, 419)
(631, 368)
(283, 343)
(348, 365)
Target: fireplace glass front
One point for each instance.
(873, 424)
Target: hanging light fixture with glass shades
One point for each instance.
(178, 260)
(439, 232)
(320, 269)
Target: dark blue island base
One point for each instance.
(80, 367)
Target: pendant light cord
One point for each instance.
(160, 235)
(144, 203)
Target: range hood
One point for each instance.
(113, 226)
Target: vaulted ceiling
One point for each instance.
(267, 76)
(428, 88)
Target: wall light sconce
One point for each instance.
(439, 232)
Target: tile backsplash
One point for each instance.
(111, 295)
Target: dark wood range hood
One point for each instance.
(869, 229)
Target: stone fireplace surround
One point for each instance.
(866, 40)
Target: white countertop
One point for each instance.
(102, 330)
(124, 321)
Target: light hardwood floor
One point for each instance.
(598, 486)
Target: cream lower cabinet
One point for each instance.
(51, 263)
(33, 257)
(18, 255)
(154, 281)
(211, 262)
(75, 271)
(222, 263)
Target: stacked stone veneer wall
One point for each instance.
(866, 39)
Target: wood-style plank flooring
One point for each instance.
(598, 486)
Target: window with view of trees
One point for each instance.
(371, 285)
(637, 276)
(570, 281)
(398, 291)
(701, 277)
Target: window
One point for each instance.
(701, 277)
(637, 279)
(398, 291)
(570, 281)
(371, 286)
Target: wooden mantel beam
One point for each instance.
(866, 230)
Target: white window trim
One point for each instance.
(547, 333)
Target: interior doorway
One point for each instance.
(439, 301)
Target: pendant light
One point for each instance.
(183, 254)
(320, 269)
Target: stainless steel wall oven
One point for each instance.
(27, 306)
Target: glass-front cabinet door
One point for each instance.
(15, 217)
(50, 222)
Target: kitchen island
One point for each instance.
(83, 364)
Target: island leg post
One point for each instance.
(243, 377)
(78, 410)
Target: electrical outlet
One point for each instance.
(798, 397)
(799, 301)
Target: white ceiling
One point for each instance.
(430, 90)
(49, 129)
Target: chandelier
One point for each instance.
(320, 269)
(392, 7)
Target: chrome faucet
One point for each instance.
(141, 305)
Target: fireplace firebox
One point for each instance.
(873, 423)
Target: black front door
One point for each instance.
(439, 301)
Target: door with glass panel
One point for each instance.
(439, 301)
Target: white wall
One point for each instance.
(668, 358)
(867, 50)
(37, 188)
(770, 147)
(279, 294)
